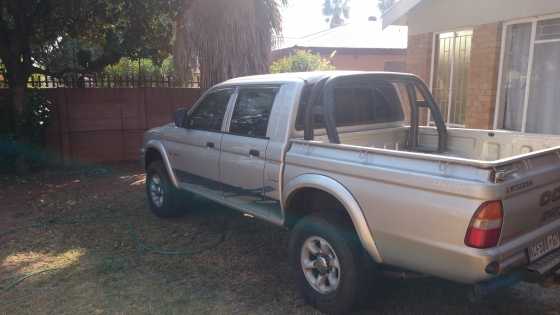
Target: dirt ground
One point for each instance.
(84, 242)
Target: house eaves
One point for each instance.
(397, 14)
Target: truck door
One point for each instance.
(243, 157)
(194, 150)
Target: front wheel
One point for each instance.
(328, 262)
(163, 197)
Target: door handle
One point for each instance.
(254, 152)
(210, 144)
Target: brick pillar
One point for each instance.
(419, 55)
(419, 61)
(483, 76)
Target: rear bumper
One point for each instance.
(513, 255)
(544, 267)
(538, 272)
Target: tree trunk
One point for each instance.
(22, 138)
(16, 77)
(18, 98)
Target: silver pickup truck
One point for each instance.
(341, 160)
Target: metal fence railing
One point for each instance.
(107, 81)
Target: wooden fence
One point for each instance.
(107, 124)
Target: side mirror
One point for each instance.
(180, 117)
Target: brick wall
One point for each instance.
(483, 76)
(104, 124)
(483, 71)
(419, 56)
(366, 62)
(419, 61)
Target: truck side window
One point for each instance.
(209, 114)
(367, 105)
(252, 111)
(361, 105)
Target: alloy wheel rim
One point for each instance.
(320, 265)
(156, 191)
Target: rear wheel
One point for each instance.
(163, 198)
(329, 264)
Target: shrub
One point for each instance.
(146, 67)
(301, 61)
(33, 123)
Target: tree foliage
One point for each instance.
(113, 30)
(2, 70)
(54, 37)
(146, 67)
(301, 61)
(225, 38)
(336, 11)
(33, 122)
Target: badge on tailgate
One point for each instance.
(550, 196)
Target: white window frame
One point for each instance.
(498, 111)
(435, 36)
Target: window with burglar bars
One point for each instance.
(450, 74)
(529, 87)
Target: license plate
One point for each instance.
(546, 245)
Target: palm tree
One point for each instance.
(384, 5)
(336, 11)
(224, 38)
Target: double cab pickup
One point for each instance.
(363, 171)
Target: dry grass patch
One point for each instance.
(107, 254)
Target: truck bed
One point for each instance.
(474, 146)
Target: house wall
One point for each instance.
(483, 71)
(485, 18)
(418, 61)
(356, 58)
(445, 15)
(419, 55)
(376, 62)
(483, 76)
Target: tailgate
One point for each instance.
(532, 197)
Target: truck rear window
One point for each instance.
(361, 105)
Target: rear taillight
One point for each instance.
(486, 225)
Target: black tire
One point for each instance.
(170, 206)
(353, 273)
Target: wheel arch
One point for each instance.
(299, 185)
(156, 147)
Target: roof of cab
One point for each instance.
(309, 77)
(304, 76)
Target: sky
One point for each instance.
(304, 17)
